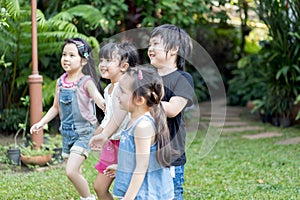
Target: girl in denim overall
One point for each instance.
(74, 100)
(145, 151)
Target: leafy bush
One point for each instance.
(247, 82)
(11, 118)
(281, 54)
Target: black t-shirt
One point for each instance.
(178, 83)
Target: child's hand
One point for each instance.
(111, 170)
(103, 107)
(97, 142)
(35, 128)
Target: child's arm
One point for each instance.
(98, 140)
(143, 137)
(95, 94)
(174, 106)
(98, 130)
(52, 112)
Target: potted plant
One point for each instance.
(36, 156)
(55, 143)
(13, 151)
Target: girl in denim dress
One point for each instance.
(144, 151)
(74, 101)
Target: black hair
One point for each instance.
(85, 52)
(173, 37)
(125, 50)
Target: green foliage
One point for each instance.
(275, 74)
(297, 101)
(247, 83)
(185, 14)
(17, 51)
(53, 141)
(30, 151)
(99, 18)
(222, 45)
(15, 116)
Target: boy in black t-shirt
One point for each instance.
(169, 46)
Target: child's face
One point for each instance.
(157, 51)
(70, 59)
(110, 68)
(125, 94)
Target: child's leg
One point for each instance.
(74, 174)
(178, 182)
(101, 186)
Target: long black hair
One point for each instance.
(85, 52)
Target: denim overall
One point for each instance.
(158, 182)
(76, 129)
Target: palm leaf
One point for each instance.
(90, 14)
(13, 8)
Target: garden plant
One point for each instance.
(265, 72)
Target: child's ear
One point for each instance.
(83, 61)
(140, 100)
(124, 66)
(174, 51)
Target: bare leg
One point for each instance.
(101, 186)
(73, 171)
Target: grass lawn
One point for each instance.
(236, 168)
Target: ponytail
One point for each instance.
(163, 154)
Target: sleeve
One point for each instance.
(185, 87)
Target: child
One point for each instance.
(115, 59)
(169, 46)
(74, 102)
(144, 150)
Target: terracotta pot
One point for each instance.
(250, 105)
(36, 160)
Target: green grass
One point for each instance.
(236, 168)
(240, 168)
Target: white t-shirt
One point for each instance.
(112, 104)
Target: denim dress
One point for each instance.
(157, 184)
(77, 115)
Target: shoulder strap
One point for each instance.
(147, 117)
(83, 80)
(60, 79)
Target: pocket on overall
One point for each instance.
(65, 101)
